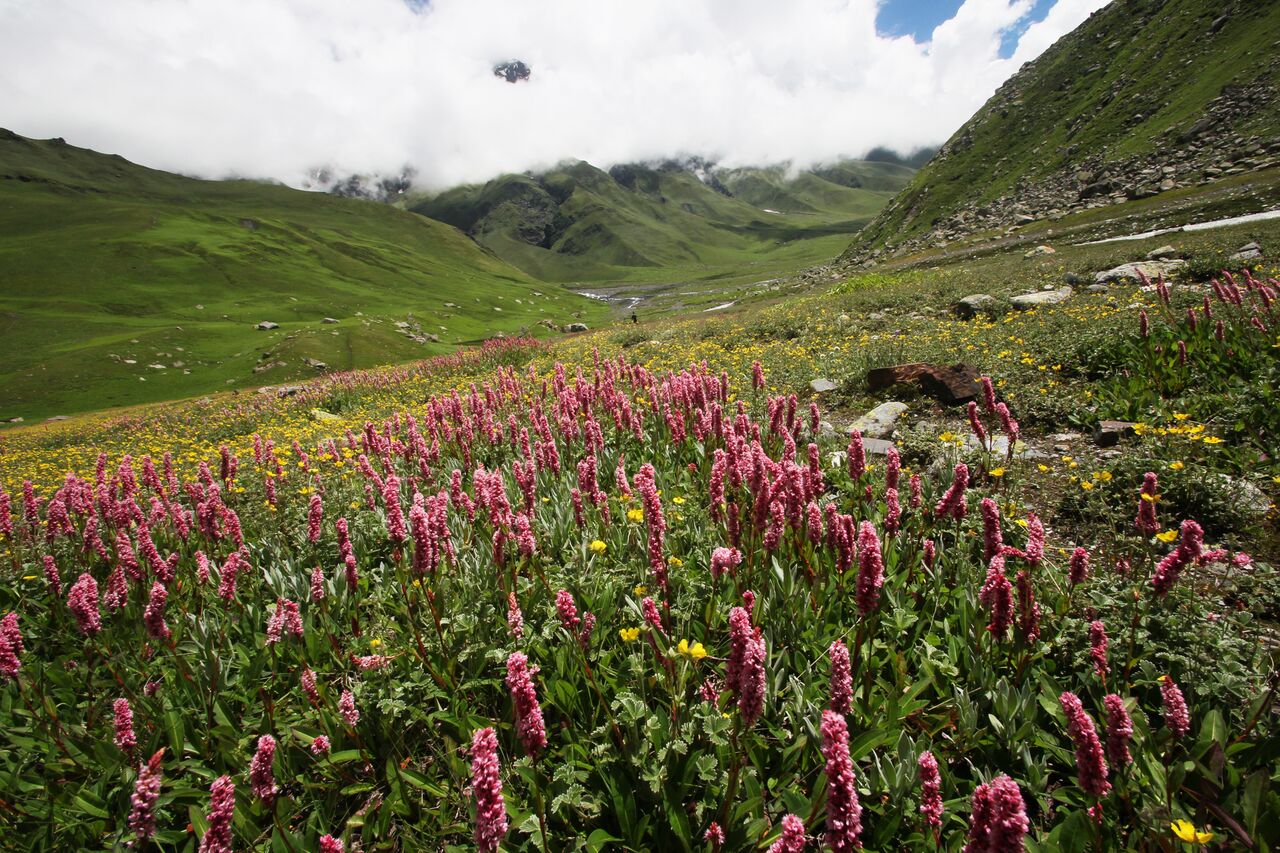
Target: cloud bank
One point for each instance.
(275, 88)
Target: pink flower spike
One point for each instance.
(486, 787)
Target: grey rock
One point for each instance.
(1000, 447)
(1023, 218)
(267, 325)
(1247, 252)
(880, 421)
(973, 305)
(16, 420)
(55, 418)
(1040, 251)
(575, 327)
(1109, 433)
(1044, 297)
(1151, 269)
(1162, 253)
(322, 415)
(1098, 289)
(330, 320)
(822, 386)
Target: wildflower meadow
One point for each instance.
(532, 598)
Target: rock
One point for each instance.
(16, 420)
(1150, 269)
(1023, 218)
(1167, 184)
(950, 385)
(330, 320)
(318, 365)
(1071, 278)
(401, 324)
(1162, 253)
(576, 327)
(1000, 447)
(973, 305)
(322, 415)
(435, 339)
(822, 386)
(826, 429)
(1247, 252)
(1043, 297)
(871, 446)
(1109, 433)
(1040, 251)
(55, 418)
(267, 325)
(1098, 289)
(880, 421)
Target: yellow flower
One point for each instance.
(996, 472)
(675, 562)
(1187, 831)
(640, 589)
(1104, 476)
(1167, 536)
(1086, 485)
(597, 547)
(677, 501)
(374, 643)
(947, 436)
(1176, 466)
(1042, 468)
(1138, 429)
(635, 515)
(629, 634)
(1150, 498)
(695, 651)
(1180, 416)
(1212, 439)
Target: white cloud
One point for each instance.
(274, 87)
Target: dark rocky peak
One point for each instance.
(512, 71)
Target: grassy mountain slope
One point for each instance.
(661, 223)
(108, 269)
(1140, 84)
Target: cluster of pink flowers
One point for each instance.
(792, 838)
(1119, 731)
(125, 739)
(10, 647)
(222, 806)
(1091, 766)
(1078, 566)
(321, 745)
(1190, 547)
(870, 569)
(286, 617)
(844, 812)
(930, 789)
(953, 502)
(1098, 648)
(261, 778)
(997, 596)
(744, 672)
(529, 726)
(515, 619)
(146, 790)
(1146, 520)
(347, 708)
(1176, 715)
(999, 820)
(841, 678)
(82, 601)
(315, 514)
(486, 787)
(329, 844)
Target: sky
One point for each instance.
(276, 88)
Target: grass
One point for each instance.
(105, 263)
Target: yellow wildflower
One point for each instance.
(1187, 831)
(635, 515)
(1212, 439)
(629, 634)
(597, 547)
(996, 472)
(675, 562)
(640, 589)
(1167, 536)
(1176, 466)
(694, 651)
(1086, 485)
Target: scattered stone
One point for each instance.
(267, 325)
(576, 327)
(1000, 447)
(1071, 278)
(1023, 219)
(822, 386)
(1109, 433)
(973, 305)
(1151, 269)
(450, 305)
(1044, 297)
(1163, 253)
(1247, 252)
(949, 385)
(54, 418)
(401, 324)
(157, 366)
(1040, 251)
(880, 421)
(1098, 289)
(826, 429)
(330, 320)
(16, 420)
(315, 364)
(322, 415)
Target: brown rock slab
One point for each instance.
(1109, 433)
(951, 385)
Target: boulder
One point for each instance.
(1151, 269)
(822, 386)
(880, 421)
(1109, 433)
(267, 325)
(1162, 253)
(576, 327)
(330, 320)
(973, 305)
(1247, 252)
(1043, 297)
(949, 385)
(1040, 251)
(322, 415)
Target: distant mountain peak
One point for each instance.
(513, 71)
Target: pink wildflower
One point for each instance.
(320, 746)
(714, 836)
(1176, 716)
(856, 455)
(1078, 566)
(396, 530)
(347, 708)
(870, 569)
(1091, 767)
(308, 679)
(329, 844)
(724, 560)
(652, 616)
(568, 611)
(153, 616)
(82, 600)
(844, 812)
(1119, 731)
(999, 821)
(975, 423)
(146, 790)
(992, 541)
(997, 596)
(953, 502)
(315, 514)
(930, 790)
(1170, 568)
(317, 584)
(51, 576)
(486, 787)
(261, 778)
(515, 619)
(125, 739)
(1098, 648)
(529, 726)
(792, 838)
(841, 677)
(222, 806)
(1146, 520)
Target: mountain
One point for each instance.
(667, 221)
(1145, 97)
(121, 284)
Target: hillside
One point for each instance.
(671, 221)
(122, 284)
(1145, 98)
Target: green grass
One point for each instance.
(103, 262)
(1151, 58)
(663, 224)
